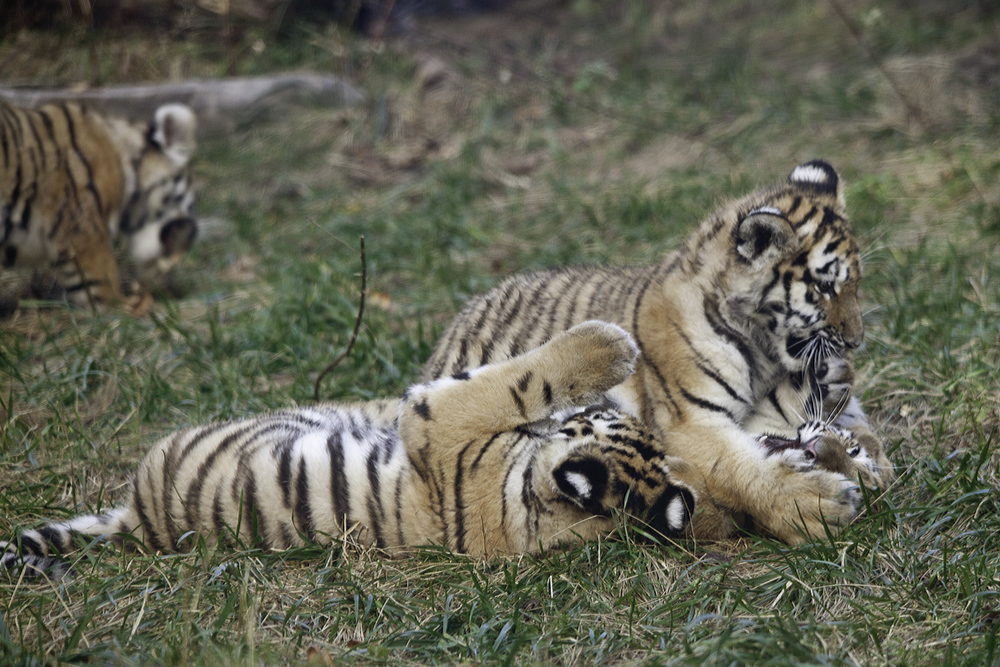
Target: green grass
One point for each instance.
(594, 135)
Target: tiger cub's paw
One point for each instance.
(797, 454)
(140, 304)
(814, 491)
(810, 505)
(856, 454)
(595, 356)
(807, 505)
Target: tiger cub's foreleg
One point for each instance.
(82, 259)
(89, 277)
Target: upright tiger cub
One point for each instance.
(746, 329)
(476, 462)
(71, 180)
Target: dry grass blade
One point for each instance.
(357, 323)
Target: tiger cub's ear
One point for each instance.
(173, 132)
(819, 177)
(763, 237)
(816, 174)
(582, 478)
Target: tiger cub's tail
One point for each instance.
(38, 551)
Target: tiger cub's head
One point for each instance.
(856, 454)
(613, 465)
(158, 221)
(795, 252)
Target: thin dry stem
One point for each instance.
(357, 322)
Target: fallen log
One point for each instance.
(217, 102)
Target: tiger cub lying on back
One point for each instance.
(746, 329)
(479, 463)
(72, 180)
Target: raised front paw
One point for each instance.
(595, 356)
(858, 455)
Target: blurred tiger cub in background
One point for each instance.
(503, 459)
(72, 180)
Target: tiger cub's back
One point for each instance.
(275, 479)
(527, 310)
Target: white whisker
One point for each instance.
(797, 414)
(840, 407)
(874, 309)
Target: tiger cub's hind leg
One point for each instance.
(574, 369)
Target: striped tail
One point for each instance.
(38, 551)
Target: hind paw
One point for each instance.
(597, 356)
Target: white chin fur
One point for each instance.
(144, 245)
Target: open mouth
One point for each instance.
(775, 444)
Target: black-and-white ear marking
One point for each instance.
(582, 480)
(763, 233)
(817, 175)
(677, 513)
(672, 512)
